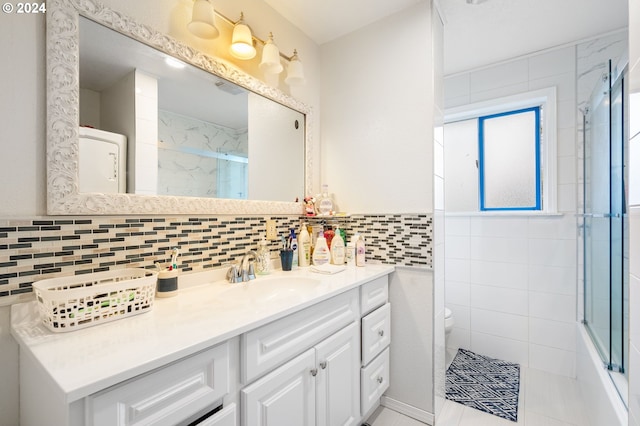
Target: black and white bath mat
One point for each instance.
(486, 384)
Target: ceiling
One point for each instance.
(475, 34)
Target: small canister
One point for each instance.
(167, 283)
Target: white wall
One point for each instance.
(379, 87)
(377, 119)
(634, 214)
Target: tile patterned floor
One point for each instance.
(545, 400)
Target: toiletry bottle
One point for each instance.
(315, 231)
(294, 246)
(321, 254)
(350, 254)
(304, 247)
(263, 266)
(360, 252)
(325, 203)
(329, 233)
(337, 249)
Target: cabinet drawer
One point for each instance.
(374, 380)
(165, 396)
(271, 345)
(225, 417)
(374, 294)
(376, 333)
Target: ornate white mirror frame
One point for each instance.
(63, 197)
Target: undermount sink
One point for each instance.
(269, 289)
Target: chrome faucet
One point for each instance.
(243, 271)
(246, 266)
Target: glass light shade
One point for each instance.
(202, 20)
(242, 43)
(295, 72)
(270, 63)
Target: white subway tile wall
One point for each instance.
(512, 281)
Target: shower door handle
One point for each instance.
(598, 215)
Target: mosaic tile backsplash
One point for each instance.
(35, 249)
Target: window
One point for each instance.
(509, 160)
(500, 155)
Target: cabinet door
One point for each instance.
(338, 379)
(284, 397)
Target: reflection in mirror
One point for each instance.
(164, 127)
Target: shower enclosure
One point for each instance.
(605, 226)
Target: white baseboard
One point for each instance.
(408, 410)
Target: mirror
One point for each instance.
(182, 152)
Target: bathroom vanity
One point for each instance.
(291, 348)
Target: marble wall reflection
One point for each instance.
(200, 159)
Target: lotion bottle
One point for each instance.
(304, 247)
(337, 249)
(360, 252)
(321, 254)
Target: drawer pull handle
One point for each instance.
(381, 333)
(380, 380)
(323, 364)
(314, 372)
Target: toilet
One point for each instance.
(448, 323)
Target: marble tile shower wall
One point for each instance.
(40, 248)
(186, 168)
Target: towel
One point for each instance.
(327, 268)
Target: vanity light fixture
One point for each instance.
(270, 63)
(295, 72)
(202, 20)
(242, 41)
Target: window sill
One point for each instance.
(504, 214)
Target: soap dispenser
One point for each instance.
(263, 266)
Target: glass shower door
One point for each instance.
(604, 227)
(597, 237)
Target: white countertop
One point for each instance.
(85, 361)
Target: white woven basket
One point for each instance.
(72, 303)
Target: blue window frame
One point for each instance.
(509, 178)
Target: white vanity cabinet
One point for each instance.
(320, 359)
(318, 387)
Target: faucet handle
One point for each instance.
(233, 274)
(251, 273)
